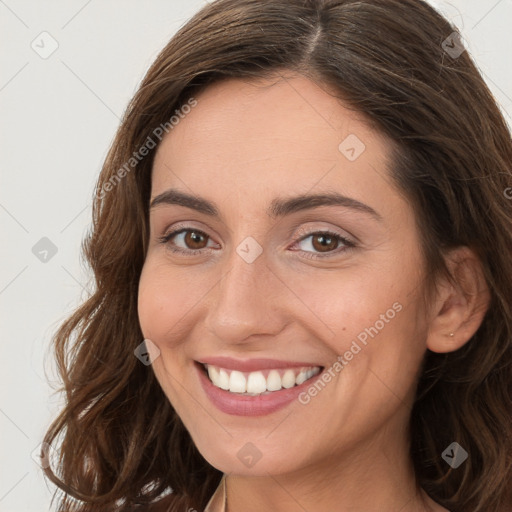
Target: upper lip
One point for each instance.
(252, 365)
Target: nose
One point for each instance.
(247, 302)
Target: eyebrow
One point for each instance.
(279, 207)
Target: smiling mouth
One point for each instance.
(261, 382)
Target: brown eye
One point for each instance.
(186, 240)
(195, 239)
(324, 242)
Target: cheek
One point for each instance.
(163, 301)
(162, 306)
(369, 317)
(344, 302)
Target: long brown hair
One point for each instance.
(120, 441)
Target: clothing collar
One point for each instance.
(217, 502)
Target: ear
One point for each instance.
(459, 307)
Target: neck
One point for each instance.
(378, 477)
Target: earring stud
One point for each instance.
(451, 335)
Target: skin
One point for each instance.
(244, 144)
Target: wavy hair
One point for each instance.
(120, 442)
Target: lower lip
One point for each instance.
(244, 405)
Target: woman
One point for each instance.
(301, 244)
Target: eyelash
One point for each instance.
(307, 254)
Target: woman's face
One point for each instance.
(250, 178)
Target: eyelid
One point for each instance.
(301, 232)
(304, 232)
(180, 228)
(346, 244)
(300, 235)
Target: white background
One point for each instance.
(58, 116)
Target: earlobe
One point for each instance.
(461, 303)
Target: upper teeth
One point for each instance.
(261, 381)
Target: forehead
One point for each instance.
(285, 133)
(285, 109)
